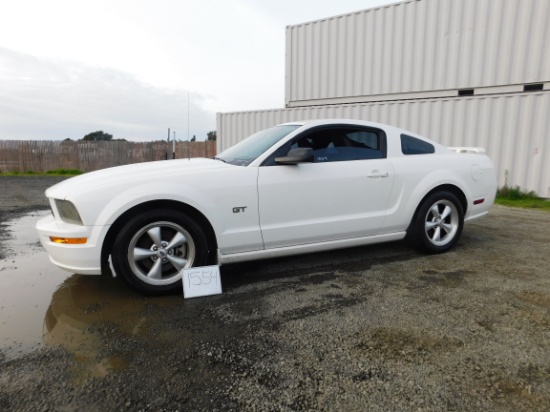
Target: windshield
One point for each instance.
(244, 152)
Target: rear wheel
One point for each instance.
(153, 247)
(438, 223)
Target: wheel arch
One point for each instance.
(441, 188)
(158, 204)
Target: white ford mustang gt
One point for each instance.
(294, 188)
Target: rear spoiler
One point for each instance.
(478, 150)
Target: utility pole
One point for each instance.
(166, 152)
(174, 146)
(188, 142)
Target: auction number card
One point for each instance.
(201, 281)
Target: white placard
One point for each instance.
(201, 281)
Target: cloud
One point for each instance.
(47, 98)
(126, 66)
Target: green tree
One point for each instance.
(97, 136)
(193, 139)
(211, 136)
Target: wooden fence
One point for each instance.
(43, 156)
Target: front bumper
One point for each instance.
(84, 259)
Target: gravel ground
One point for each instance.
(19, 194)
(380, 328)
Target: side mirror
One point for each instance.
(295, 156)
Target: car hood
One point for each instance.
(131, 175)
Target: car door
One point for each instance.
(342, 194)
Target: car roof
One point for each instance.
(356, 122)
(319, 122)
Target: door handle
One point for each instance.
(375, 174)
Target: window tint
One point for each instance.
(346, 143)
(247, 150)
(339, 143)
(413, 146)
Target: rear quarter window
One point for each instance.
(413, 146)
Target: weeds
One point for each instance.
(515, 193)
(72, 172)
(57, 172)
(515, 197)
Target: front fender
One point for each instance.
(215, 196)
(152, 192)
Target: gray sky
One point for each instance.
(71, 67)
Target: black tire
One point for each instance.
(438, 223)
(152, 248)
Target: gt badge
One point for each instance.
(239, 209)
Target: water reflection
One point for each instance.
(82, 308)
(27, 282)
(42, 305)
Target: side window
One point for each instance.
(363, 139)
(337, 144)
(413, 146)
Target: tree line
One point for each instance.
(101, 136)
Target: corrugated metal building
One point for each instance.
(462, 72)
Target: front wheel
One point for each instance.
(438, 223)
(153, 247)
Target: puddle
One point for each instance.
(83, 310)
(27, 282)
(41, 304)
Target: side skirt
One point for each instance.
(307, 248)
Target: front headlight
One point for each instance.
(67, 212)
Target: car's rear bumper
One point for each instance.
(478, 210)
(84, 258)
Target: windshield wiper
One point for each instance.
(219, 158)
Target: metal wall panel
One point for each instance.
(418, 46)
(514, 128)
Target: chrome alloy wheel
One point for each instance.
(157, 253)
(441, 222)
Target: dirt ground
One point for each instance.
(378, 328)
